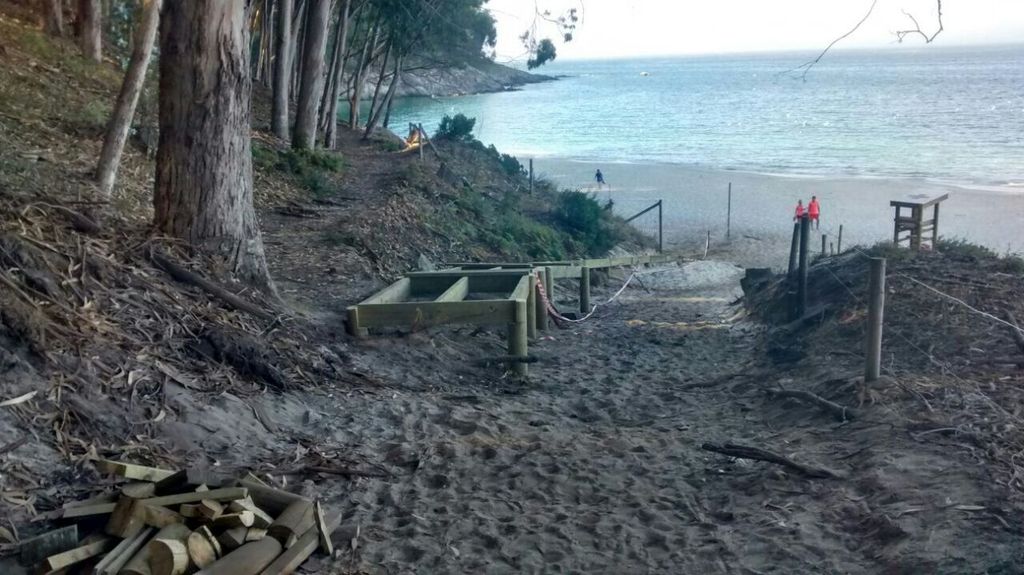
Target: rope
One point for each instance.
(553, 312)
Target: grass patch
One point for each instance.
(314, 170)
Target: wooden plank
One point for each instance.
(563, 272)
(187, 480)
(522, 290)
(455, 274)
(395, 292)
(117, 558)
(424, 314)
(298, 553)
(458, 291)
(222, 494)
(87, 510)
(132, 471)
(271, 500)
(78, 554)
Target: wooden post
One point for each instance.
(517, 340)
(805, 252)
(794, 250)
(728, 217)
(531, 176)
(549, 286)
(935, 228)
(876, 313)
(824, 244)
(661, 239)
(707, 245)
(531, 307)
(915, 239)
(584, 290)
(352, 325)
(540, 311)
(839, 241)
(832, 248)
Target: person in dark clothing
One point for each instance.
(600, 178)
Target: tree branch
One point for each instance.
(806, 67)
(901, 34)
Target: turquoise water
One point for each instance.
(946, 114)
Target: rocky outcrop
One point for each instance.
(476, 78)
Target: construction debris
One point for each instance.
(165, 523)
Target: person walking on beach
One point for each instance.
(799, 210)
(599, 177)
(814, 210)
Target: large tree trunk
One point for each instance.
(282, 69)
(376, 89)
(307, 106)
(204, 163)
(53, 17)
(124, 110)
(90, 16)
(385, 105)
(360, 76)
(329, 106)
(298, 36)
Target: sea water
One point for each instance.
(946, 114)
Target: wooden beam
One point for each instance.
(425, 314)
(297, 554)
(77, 555)
(271, 500)
(249, 559)
(522, 290)
(132, 471)
(395, 292)
(458, 291)
(222, 494)
(34, 550)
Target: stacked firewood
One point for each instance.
(164, 522)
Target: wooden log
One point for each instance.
(297, 554)
(758, 454)
(222, 494)
(160, 517)
(271, 500)
(203, 549)
(77, 555)
(126, 520)
(326, 545)
(209, 510)
(117, 558)
(840, 412)
(187, 480)
(131, 471)
(232, 520)
(249, 559)
(183, 275)
(32, 551)
(254, 534)
(262, 520)
(232, 538)
(140, 490)
(168, 557)
(139, 563)
(292, 522)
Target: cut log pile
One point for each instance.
(163, 522)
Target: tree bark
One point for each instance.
(90, 15)
(329, 106)
(396, 79)
(124, 110)
(53, 17)
(282, 69)
(204, 162)
(298, 36)
(307, 106)
(377, 87)
(360, 76)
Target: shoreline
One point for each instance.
(696, 202)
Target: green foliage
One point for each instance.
(509, 163)
(586, 221)
(310, 168)
(457, 129)
(545, 52)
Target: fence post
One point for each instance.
(531, 307)
(794, 250)
(805, 249)
(824, 244)
(876, 313)
(839, 242)
(728, 217)
(584, 290)
(517, 342)
(661, 244)
(531, 176)
(549, 286)
(540, 312)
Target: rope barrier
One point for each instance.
(553, 312)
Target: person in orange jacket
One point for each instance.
(814, 211)
(799, 210)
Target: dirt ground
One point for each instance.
(594, 464)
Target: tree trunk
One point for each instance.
(282, 69)
(306, 107)
(204, 163)
(360, 77)
(298, 35)
(124, 110)
(376, 90)
(385, 106)
(90, 15)
(329, 106)
(53, 17)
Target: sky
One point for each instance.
(636, 28)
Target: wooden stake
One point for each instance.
(728, 217)
(584, 290)
(824, 244)
(517, 338)
(876, 313)
(531, 307)
(839, 240)
(805, 249)
(326, 545)
(794, 250)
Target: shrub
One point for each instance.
(458, 129)
(583, 217)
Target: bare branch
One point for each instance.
(901, 34)
(806, 67)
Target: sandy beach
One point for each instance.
(696, 201)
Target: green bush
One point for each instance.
(586, 221)
(457, 129)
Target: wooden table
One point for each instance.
(914, 224)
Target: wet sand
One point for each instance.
(696, 201)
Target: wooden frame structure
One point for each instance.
(915, 225)
(481, 294)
